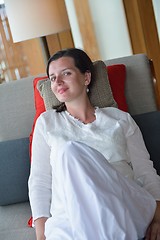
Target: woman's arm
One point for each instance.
(40, 226)
(40, 175)
(153, 231)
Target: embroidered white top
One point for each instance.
(114, 133)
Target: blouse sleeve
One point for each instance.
(144, 172)
(40, 175)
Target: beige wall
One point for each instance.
(110, 27)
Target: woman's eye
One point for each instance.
(67, 73)
(52, 79)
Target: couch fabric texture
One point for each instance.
(139, 88)
(14, 153)
(149, 123)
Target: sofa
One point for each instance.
(17, 114)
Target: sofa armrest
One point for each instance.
(149, 124)
(14, 171)
(139, 89)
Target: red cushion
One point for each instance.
(117, 77)
(39, 106)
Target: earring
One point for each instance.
(87, 90)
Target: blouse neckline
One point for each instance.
(79, 122)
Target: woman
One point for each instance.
(91, 177)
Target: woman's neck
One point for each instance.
(83, 112)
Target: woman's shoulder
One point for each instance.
(124, 118)
(115, 112)
(47, 116)
(48, 113)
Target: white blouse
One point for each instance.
(114, 134)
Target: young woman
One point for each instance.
(91, 177)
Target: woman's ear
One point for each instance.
(87, 77)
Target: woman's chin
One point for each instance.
(62, 99)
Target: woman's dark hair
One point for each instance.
(81, 60)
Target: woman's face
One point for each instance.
(67, 82)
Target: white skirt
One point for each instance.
(92, 201)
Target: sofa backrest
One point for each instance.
(140, 94)
(17, 98)
(16, 109)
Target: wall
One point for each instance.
(156, 6)
(74, 24)
(110, 27)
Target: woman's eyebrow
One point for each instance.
(64, 69)
(68, 68)
(52, 74)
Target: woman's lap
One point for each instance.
(98, 202)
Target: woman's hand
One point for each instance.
(153, 231)
(40, 226)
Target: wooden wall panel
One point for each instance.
(87, 28)
(59, 41)
(135, 26)
(53, 43)
(143, 33)
(66, 40)
(32, 51)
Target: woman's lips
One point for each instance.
(62, 90)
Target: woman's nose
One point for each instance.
(59, 79)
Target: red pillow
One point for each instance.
(117, 77)
(39, 106)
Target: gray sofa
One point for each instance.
(17, 112)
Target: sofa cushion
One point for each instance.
(100, 93)
(149, 124)
(16, 109)
(13, 222)
(14, 171)
(116, 76)
(117, 80)
(139, 90)
(39, 107)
